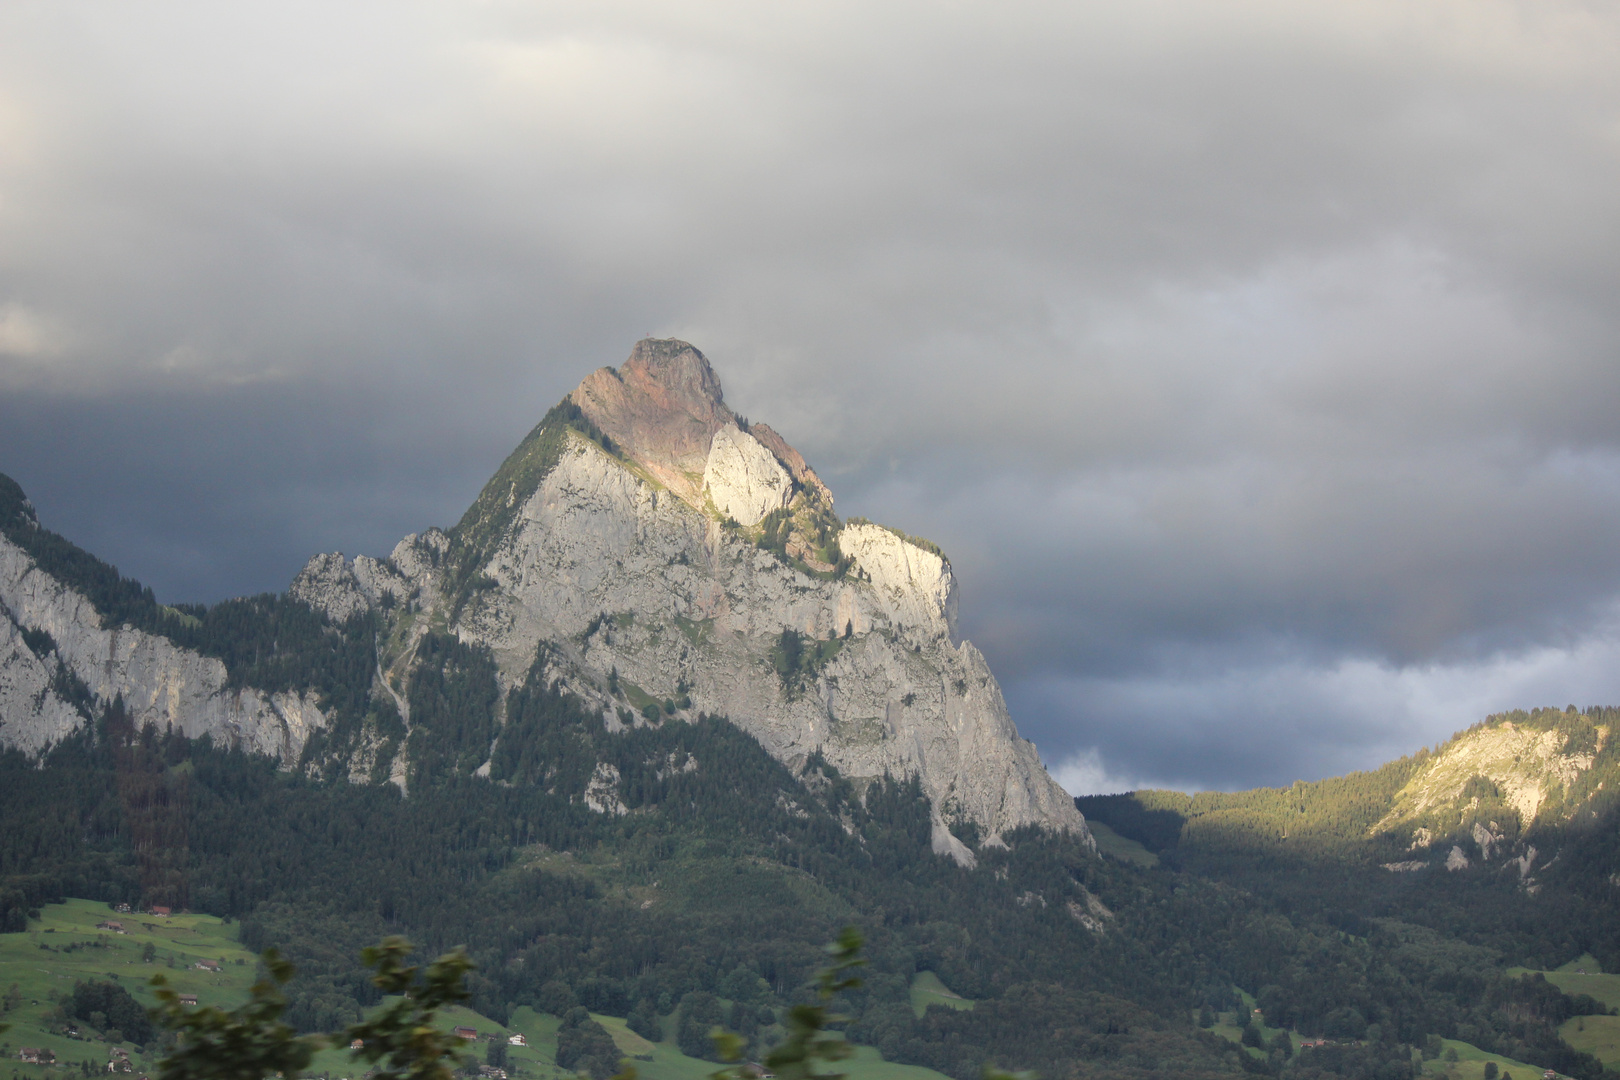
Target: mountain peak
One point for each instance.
(662, 407)
(674, 370)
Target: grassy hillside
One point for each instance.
(65, 946)
(1115, 846)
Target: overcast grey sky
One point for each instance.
(1258, 364)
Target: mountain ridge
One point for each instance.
(649, 580)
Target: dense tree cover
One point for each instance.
(716, 886)
(723, 876)
(106, 1006)
(700, 1013)
(746, 866)
(583, 1045)
(797, 659)
(807, 529)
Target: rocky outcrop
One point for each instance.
(160, 683)
(792, 460)
(915, 586)
(342, 589)
(1528, 765)
(704, 608)
(743, 479)
(33, 716)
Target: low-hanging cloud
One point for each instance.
(1253, 361)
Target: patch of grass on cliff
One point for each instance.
(808, 527)
(1115, 846)
(695, 630)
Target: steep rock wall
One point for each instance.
(32, 715)
(743, 478)
(160, 682)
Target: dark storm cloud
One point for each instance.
(1255, 362)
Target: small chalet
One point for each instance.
(357, 1044)
(122, 909)
(491, 1072)
(120, 1065)
(34, 1056)
(188, 999)
(119, 1052)
(517, 1038)
(208, 965)
(158, 909)
(115, 927)
(470, 1034)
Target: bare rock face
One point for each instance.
(701, 607)
(161, 683)
(743, 478)
(342, 589)
(797, 467)
(916, 585)
(32, 715)
(663, 408)
(1529, 765)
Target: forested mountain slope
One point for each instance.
(1499, 847)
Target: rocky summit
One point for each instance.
(646, 550)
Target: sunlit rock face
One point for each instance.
(743, 479)
(662, 408)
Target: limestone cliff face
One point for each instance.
(693, 605)
(32, 714)
(160, 682)
(623, 562)
(743, 479)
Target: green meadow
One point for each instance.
(64, 946)
(1122, 848)
(1595, 1035)
(926, 990)
(1470, 1064)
